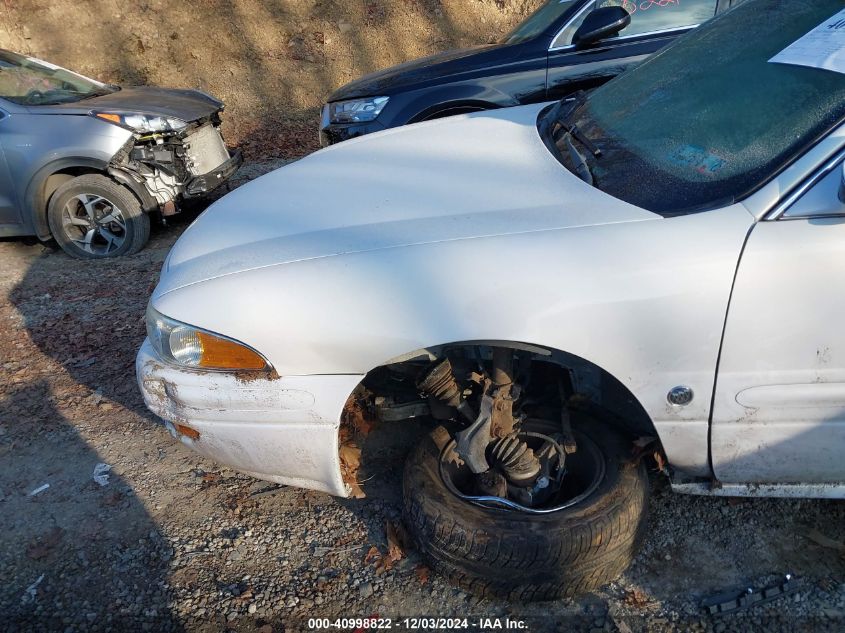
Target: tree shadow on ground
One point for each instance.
(91, 557)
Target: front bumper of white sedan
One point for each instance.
(283, 429)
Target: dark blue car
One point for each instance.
(564, 46)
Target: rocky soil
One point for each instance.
(175, 542)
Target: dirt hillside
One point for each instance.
(272, 61)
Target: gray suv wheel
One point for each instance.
(93, 217)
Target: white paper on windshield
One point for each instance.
(823, 47)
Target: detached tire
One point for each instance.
(93, 217)
(524, 556)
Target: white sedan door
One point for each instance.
(779, 405)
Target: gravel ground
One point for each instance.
(175, 542)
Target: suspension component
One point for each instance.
(502, 391)
(515, 459)
(439, 383)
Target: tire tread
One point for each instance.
(572, 556)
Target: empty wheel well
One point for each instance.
(386, 414)
(56, 180)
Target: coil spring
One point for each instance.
(515, 458)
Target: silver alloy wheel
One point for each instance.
(94, 224)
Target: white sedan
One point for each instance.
(553, 292)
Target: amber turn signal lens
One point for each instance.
(219, 353)
(114, 118)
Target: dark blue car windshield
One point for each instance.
(710, 118)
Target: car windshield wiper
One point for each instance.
(94, 93)
(582, 168)
(573, 131)
(560, 131)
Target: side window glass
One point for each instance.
(648, 16)
(821, 199)
(565, 36)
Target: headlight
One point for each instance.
(356, 110)
(188, 346)
(143, 123)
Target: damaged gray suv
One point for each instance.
(87, 163)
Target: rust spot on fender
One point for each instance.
(247, 376)
(187, 431)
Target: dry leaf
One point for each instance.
(43, 546)
(350, 461)
(395, 544)
(350, 455)
(636, 597)
(661, 463)
(422, 574)
(355, 418)
(373, 555)
(344, 435)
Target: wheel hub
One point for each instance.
(94, 224)
(554, 489)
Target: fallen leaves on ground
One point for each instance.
(245, 597)
(395, 542)
(210, 477)
(372, 555)
(238, 502)
(636, 597)
(44, 545)
(422, 573)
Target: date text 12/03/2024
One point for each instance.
(360, 625)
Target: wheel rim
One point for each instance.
(589, 471)
(94, 224)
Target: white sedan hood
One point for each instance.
(462, 177)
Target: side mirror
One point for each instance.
(601, 24)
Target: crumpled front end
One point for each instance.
(164, 167)
(282, 429)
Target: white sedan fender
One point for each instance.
(644, 301)
(468, 229)
(279, 429)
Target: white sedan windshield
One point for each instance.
(711, 118)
